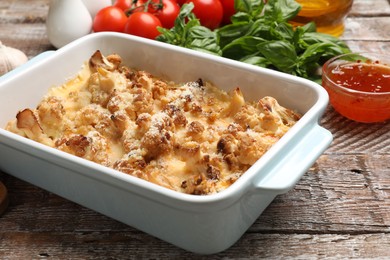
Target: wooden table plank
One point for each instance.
(327, 192)
(124, 245)
(356, 138)
(29, 38)
(17, 12)
(375, 8)
(367, 29)
(341, 193)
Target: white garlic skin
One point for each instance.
(10, 58)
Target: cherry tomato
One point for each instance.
(123, 4)
(228, 10)
(167, 15)
(139, 6)
(127, 5)
(152, 7)
(209, 12)
(181, 2)
(143, 24)
(110, 18)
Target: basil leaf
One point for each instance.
(243, 6)
(259, 34)
(257, 9)
(188, 33)
(283, 31)
(185, 11)
(205, 46)
(281, 54)
(256, 60)
(259, 28)
(281, 10)
(177, 35)
(241, 47)
(253, 8)
(166, 35)
(309, 27)
(356, 57)
(231, 32)
(316, 37)
(297, 41)
(240, 17)
(202, 38)
(314, 52)
(314, 56)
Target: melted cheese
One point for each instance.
(190, 137)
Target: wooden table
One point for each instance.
(339, 209)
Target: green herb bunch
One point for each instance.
(260, 34)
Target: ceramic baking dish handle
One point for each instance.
(24, 66)
(285, 173)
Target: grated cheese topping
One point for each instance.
(192, 137)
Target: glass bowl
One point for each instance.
(358, 85)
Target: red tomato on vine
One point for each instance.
(166, 10)
(123, 4)
(167, 15)
(140, 6)
(181, 2)
(209, 12)
(110, 18)
(143, 24)
(228, 10)
(139, 18)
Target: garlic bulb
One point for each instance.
(10, 58)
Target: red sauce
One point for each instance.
(363, 77)
(372, 104)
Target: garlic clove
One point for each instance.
(10, 58)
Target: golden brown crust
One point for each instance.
(192, 137)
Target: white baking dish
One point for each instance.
(202, 224)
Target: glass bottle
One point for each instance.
(329, 15)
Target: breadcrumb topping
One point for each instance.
(190, 137)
